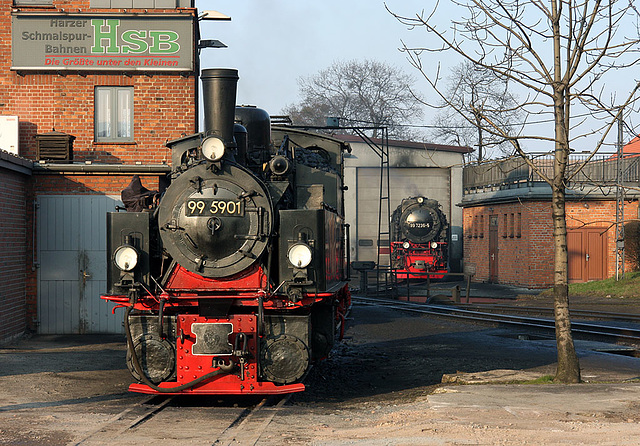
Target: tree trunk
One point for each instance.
(568, 366)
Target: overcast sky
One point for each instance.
(274, 43)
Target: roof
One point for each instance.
(409, 144)
(632, 147)
(14, 162)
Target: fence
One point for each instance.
(515, 172)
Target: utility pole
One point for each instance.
(619, 205)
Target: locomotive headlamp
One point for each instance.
(434, 245)
(213, 148)
(406, 245)
(126, 257)
(299, 255)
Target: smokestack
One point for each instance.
(219, 94)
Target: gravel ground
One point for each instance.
(381, 385)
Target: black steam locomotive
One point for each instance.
(234, 279)
(419, 233)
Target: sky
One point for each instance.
(274, 43)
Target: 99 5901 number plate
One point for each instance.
(205, 207)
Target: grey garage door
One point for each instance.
(432, 183)
(71, 241)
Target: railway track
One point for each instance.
(247, 429)
(224, 425)
(609, 332)
(586, 314)
(126, 420)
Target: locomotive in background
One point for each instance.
(419, 232)
(234, 279)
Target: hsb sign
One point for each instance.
(105, 39)
(82, 42)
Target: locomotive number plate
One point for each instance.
(209, 206)
(419, 225)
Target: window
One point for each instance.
(32, 2)
(519, 225)
(511, 217)
(150, 4)
(475, 226)
(504, 225)
(114, 114)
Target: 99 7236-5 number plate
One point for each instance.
(206, 207)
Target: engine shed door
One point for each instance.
(71, 259)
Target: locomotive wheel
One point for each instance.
(285, 359)
(156, 357)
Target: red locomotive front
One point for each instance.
(419, 240)
(234, 278)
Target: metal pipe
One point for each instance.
(219, 87)
(116, 169)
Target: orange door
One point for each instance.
(587, 249)
(576, 256)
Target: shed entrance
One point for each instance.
(71, 241)
(587, 250)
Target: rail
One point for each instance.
(243, 423)
(617, 333)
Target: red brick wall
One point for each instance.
(164, 103)
(80, 184)
(164, 109)
(527, 260)
(13, 249)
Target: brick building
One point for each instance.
(98, 87)
(508, 231)
(15, 174)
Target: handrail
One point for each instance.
(600, 170)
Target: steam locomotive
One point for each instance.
(419, 245)
(234, 279)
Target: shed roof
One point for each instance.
(408, 144)
(14, 162)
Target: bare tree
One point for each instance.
(561, 53)
(475, 93)
(366, 93)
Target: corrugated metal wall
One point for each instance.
(71, 241)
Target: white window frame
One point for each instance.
(114, 109)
